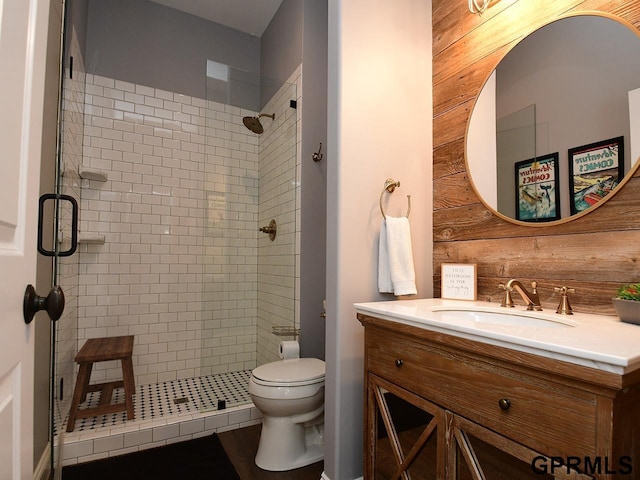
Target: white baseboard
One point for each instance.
(43, 469)
(325, 477)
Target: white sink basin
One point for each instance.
(477, 316)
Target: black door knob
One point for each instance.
(52, 303)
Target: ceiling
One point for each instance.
(249, 16)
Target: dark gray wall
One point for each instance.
(76, 17)
(145, 43)
(314, 178)
(281, 48)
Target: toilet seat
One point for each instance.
(298, 371)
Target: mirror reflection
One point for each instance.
(551, 133)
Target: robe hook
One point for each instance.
(317, 156)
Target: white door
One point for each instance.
(23, 35)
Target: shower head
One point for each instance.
(253, 123)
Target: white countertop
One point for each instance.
(596, 341)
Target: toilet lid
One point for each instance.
(289, 371)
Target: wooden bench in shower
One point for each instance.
(103, 350)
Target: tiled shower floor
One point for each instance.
(165, 412)
(193, 395)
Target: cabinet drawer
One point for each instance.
(551, 418)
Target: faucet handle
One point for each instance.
(507, 300)
(564, 308)
(534, 286)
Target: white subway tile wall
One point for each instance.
(181, 266)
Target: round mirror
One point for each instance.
(555, 131)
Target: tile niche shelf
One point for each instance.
(92, 174)
(90, 238)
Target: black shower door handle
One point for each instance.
(74, 224)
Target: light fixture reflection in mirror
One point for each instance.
(580, 92)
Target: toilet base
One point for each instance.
(312, 455)
(285, 445)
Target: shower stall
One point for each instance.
(173, 191)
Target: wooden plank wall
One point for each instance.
(594, 253)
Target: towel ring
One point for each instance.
(389, 186)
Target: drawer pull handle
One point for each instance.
(399, 362)
(504, 403)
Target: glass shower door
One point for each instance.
(249, 277)
(64, 337)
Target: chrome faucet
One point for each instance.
(531, 298)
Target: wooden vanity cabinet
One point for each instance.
(485, 411)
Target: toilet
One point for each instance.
(290, 395)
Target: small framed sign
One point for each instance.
(459, 281)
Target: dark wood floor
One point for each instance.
(241, 446)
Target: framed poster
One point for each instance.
(537, 189)
(594, 170)
(459, 281)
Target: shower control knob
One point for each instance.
(270, 229)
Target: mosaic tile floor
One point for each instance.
(175, 397)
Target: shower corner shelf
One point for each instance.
(91, 238)
(285, 331)
(92, 174)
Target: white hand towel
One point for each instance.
(400, 255)
(384, 275)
